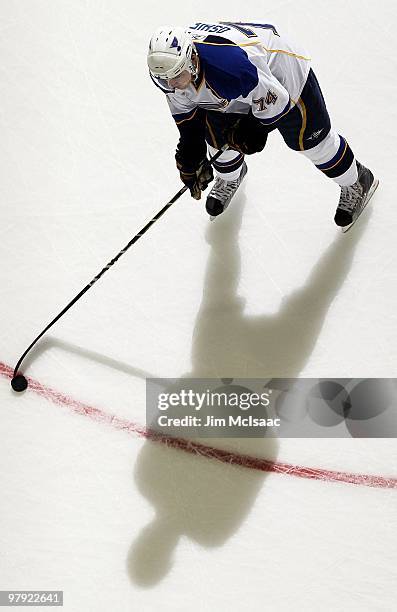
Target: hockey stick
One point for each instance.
(19, 382)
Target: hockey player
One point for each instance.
(233, 83)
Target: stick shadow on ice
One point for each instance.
(50, 343)
(207, 501)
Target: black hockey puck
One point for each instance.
(19, 383)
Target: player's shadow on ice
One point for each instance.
(205, 500)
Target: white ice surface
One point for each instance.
(270, 289)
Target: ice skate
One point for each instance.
(222, 193)
(353, 199)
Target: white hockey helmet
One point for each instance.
(170, 52)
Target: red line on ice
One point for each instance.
(195, 448)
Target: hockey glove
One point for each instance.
(247, 136)
(198, 180)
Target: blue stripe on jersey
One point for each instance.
(227, 163)
(276, 117)
(336, 157)
(340, 163)
(230, 166)
(264, 26)
(227, 68)
(181, 117)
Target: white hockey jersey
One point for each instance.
(242, 67)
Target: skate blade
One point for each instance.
(369, 196)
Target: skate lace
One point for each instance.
(350, 197)
(223, 188)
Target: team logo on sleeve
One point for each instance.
(263, 103)
(271, 97)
